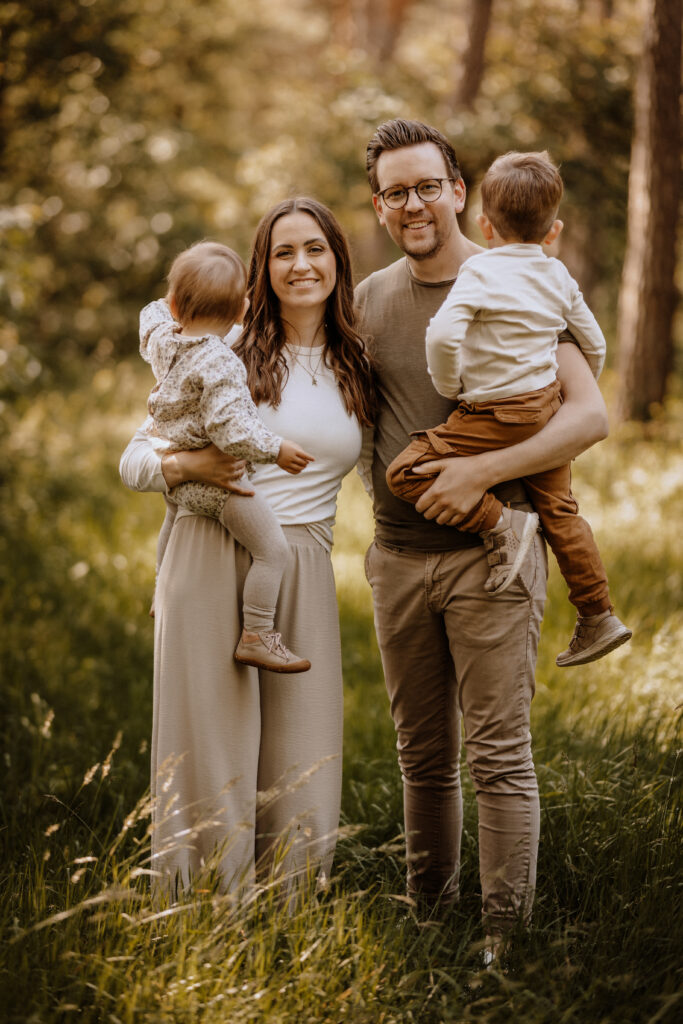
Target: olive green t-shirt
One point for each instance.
(393, 310)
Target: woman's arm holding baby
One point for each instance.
(207, 466)
(147, 465)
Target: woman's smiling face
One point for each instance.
(301, 264)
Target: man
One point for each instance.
(447, 648)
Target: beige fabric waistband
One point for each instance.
(299, 533)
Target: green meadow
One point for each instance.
(82, 937)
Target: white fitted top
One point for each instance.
(313, 416)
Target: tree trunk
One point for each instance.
(473, 59)
(647, 299)
(371, 25)
(386, 24)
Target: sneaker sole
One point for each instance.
(299, 666)
(530, 529)
(594, 653)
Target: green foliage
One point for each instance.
(83, 936)
(130, 129)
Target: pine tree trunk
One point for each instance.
(647, 298)
(371, 25)
(473, 58)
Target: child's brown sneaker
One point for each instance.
(266, 650)
(594, 636)
(507, 545)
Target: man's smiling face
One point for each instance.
(420, 229)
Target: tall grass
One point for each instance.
(83, 938)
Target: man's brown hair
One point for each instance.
(399, 133)
(520, 195)
(208, 282)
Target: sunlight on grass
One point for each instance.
(85, 935)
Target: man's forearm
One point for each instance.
(568, 433)
(578, 424)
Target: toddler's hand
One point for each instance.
(292, 458)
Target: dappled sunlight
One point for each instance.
(77, 553)
(352, 536)
(131, 131)
(630, 488)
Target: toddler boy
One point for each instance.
(492, 345)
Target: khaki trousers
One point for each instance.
(472, 429)
(449, 650)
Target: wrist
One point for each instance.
(171, 469)
(488, 470)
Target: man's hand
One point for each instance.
(292, 458)
(579, 423)
(207, 466)
(457, 488)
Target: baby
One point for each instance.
(201, 396)
(492, 345)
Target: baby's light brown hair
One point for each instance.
(208, 282)
(520, 195)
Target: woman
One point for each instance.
(241, 759)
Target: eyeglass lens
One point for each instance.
(428, 191)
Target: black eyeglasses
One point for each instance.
(429, 190)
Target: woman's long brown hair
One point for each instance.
(261, 344)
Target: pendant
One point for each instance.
(315, 382)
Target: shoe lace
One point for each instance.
(273, 642)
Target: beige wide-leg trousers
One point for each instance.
(242, 760)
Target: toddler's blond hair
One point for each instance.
(521, 194)
(208, 281)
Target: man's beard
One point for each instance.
(417, 256)
(425, 254)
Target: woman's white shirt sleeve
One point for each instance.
(140, 465)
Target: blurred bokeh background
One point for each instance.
(130, 128)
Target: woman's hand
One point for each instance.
(292, 458)
(207, 466)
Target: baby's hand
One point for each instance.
(292, 458)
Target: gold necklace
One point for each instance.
(312, 373)
(307, 369)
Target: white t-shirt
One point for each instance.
(313, 416)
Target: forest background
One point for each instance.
(129, 130)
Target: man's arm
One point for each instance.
(578, 424)
(364, 464)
